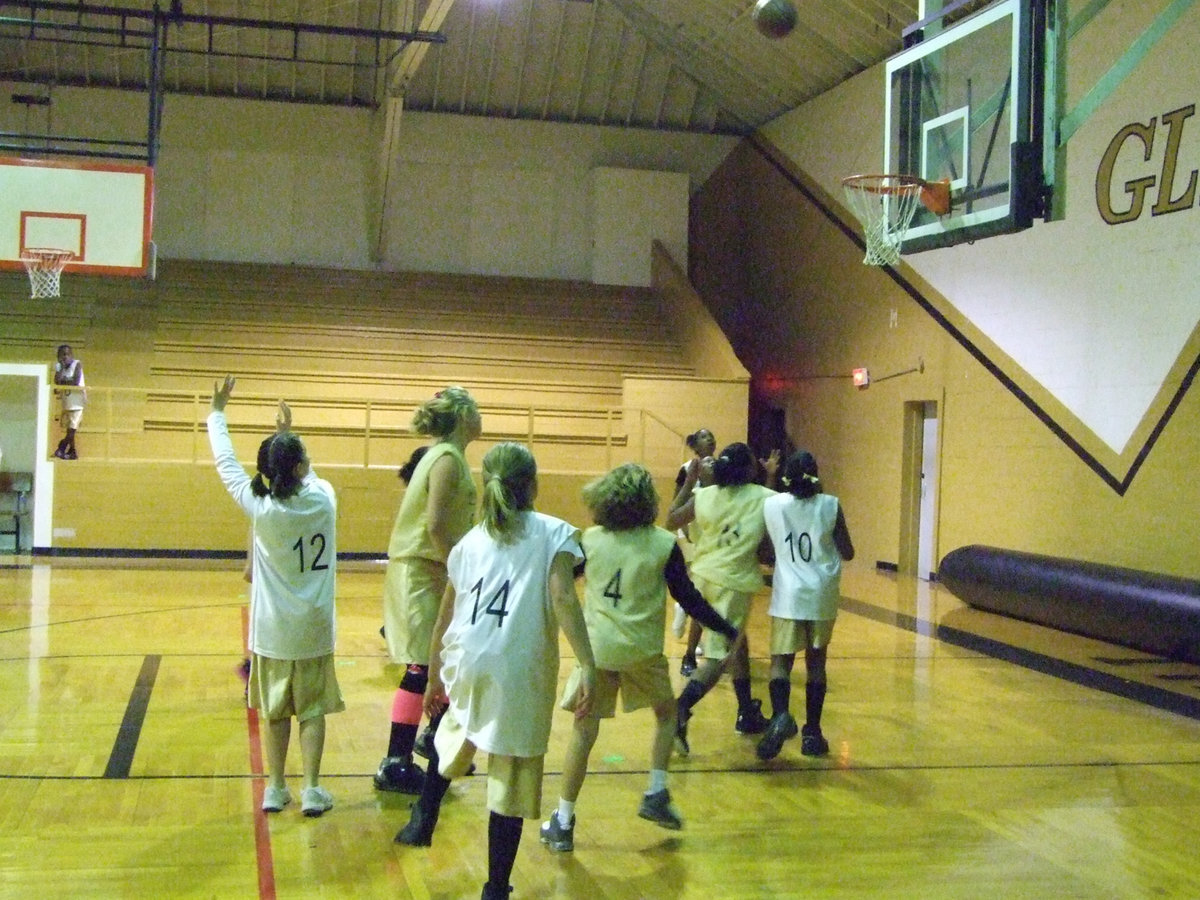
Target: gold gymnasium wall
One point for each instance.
(1019, 468)
(184, 508)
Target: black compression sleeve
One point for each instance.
(690, 599)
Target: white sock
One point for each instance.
(658, 781)
(566, 813)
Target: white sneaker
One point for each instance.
(275, 799)
(315, 800)
(679, 623)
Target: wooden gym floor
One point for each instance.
(972, 756)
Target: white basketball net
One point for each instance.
(885, 205)
(44, 265)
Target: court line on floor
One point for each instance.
(120, 760)
(264, 857)
(1157, 697)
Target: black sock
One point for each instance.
(780, 690)
(504, 838)
(401, 740)
(433, 790)
(741, 690)
(692, 692)
(814, 701)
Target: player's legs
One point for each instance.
(688, 665)
(412, 592)
(787, 636)
(452, 753)
(504, 839)
(312, 747)
(664, 736)
(279, 733)
(813, 742)
(583, 738)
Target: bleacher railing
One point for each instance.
(133, 425)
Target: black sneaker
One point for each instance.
(812, 742)
(751, 720)
(419, 830)
(681, 723)
(782, 727)
(423, 746)
(659, 809)
(687, 666)
(556, 837)
(399, 775)
(495, 893)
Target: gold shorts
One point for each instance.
(645, 683)
(734, 607)
(790, 636)
(514, 786)
(412, 595)
(304, 688)
(70, 419)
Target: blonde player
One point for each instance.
(725, 568)
(438, 509)
(292, 607)
(630, 565)
(512, 586)
(809, 534)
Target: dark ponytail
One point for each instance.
(735, 465)
(261, 485)
(286, 453)
(800, 477)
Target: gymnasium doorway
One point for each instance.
(24, 435)
(919, 487)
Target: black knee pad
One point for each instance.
(415, 679)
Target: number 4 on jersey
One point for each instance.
(612, 590)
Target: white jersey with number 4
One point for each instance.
(808, 567)
(500, 651)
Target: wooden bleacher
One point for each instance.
(354, 352)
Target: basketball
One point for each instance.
(774, 18)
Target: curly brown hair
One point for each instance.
(623, 498)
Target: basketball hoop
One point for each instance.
(886, 204)
(44, 265)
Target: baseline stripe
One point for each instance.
(120, 760)
(262, 831)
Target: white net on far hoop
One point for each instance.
(44, 265)
(885, 205)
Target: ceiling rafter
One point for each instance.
(695, 65)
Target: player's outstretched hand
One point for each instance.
(221, 393)
(771, 466)
(283, 418)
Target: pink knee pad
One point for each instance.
(407, 707)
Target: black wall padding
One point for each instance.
(1156, 613)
